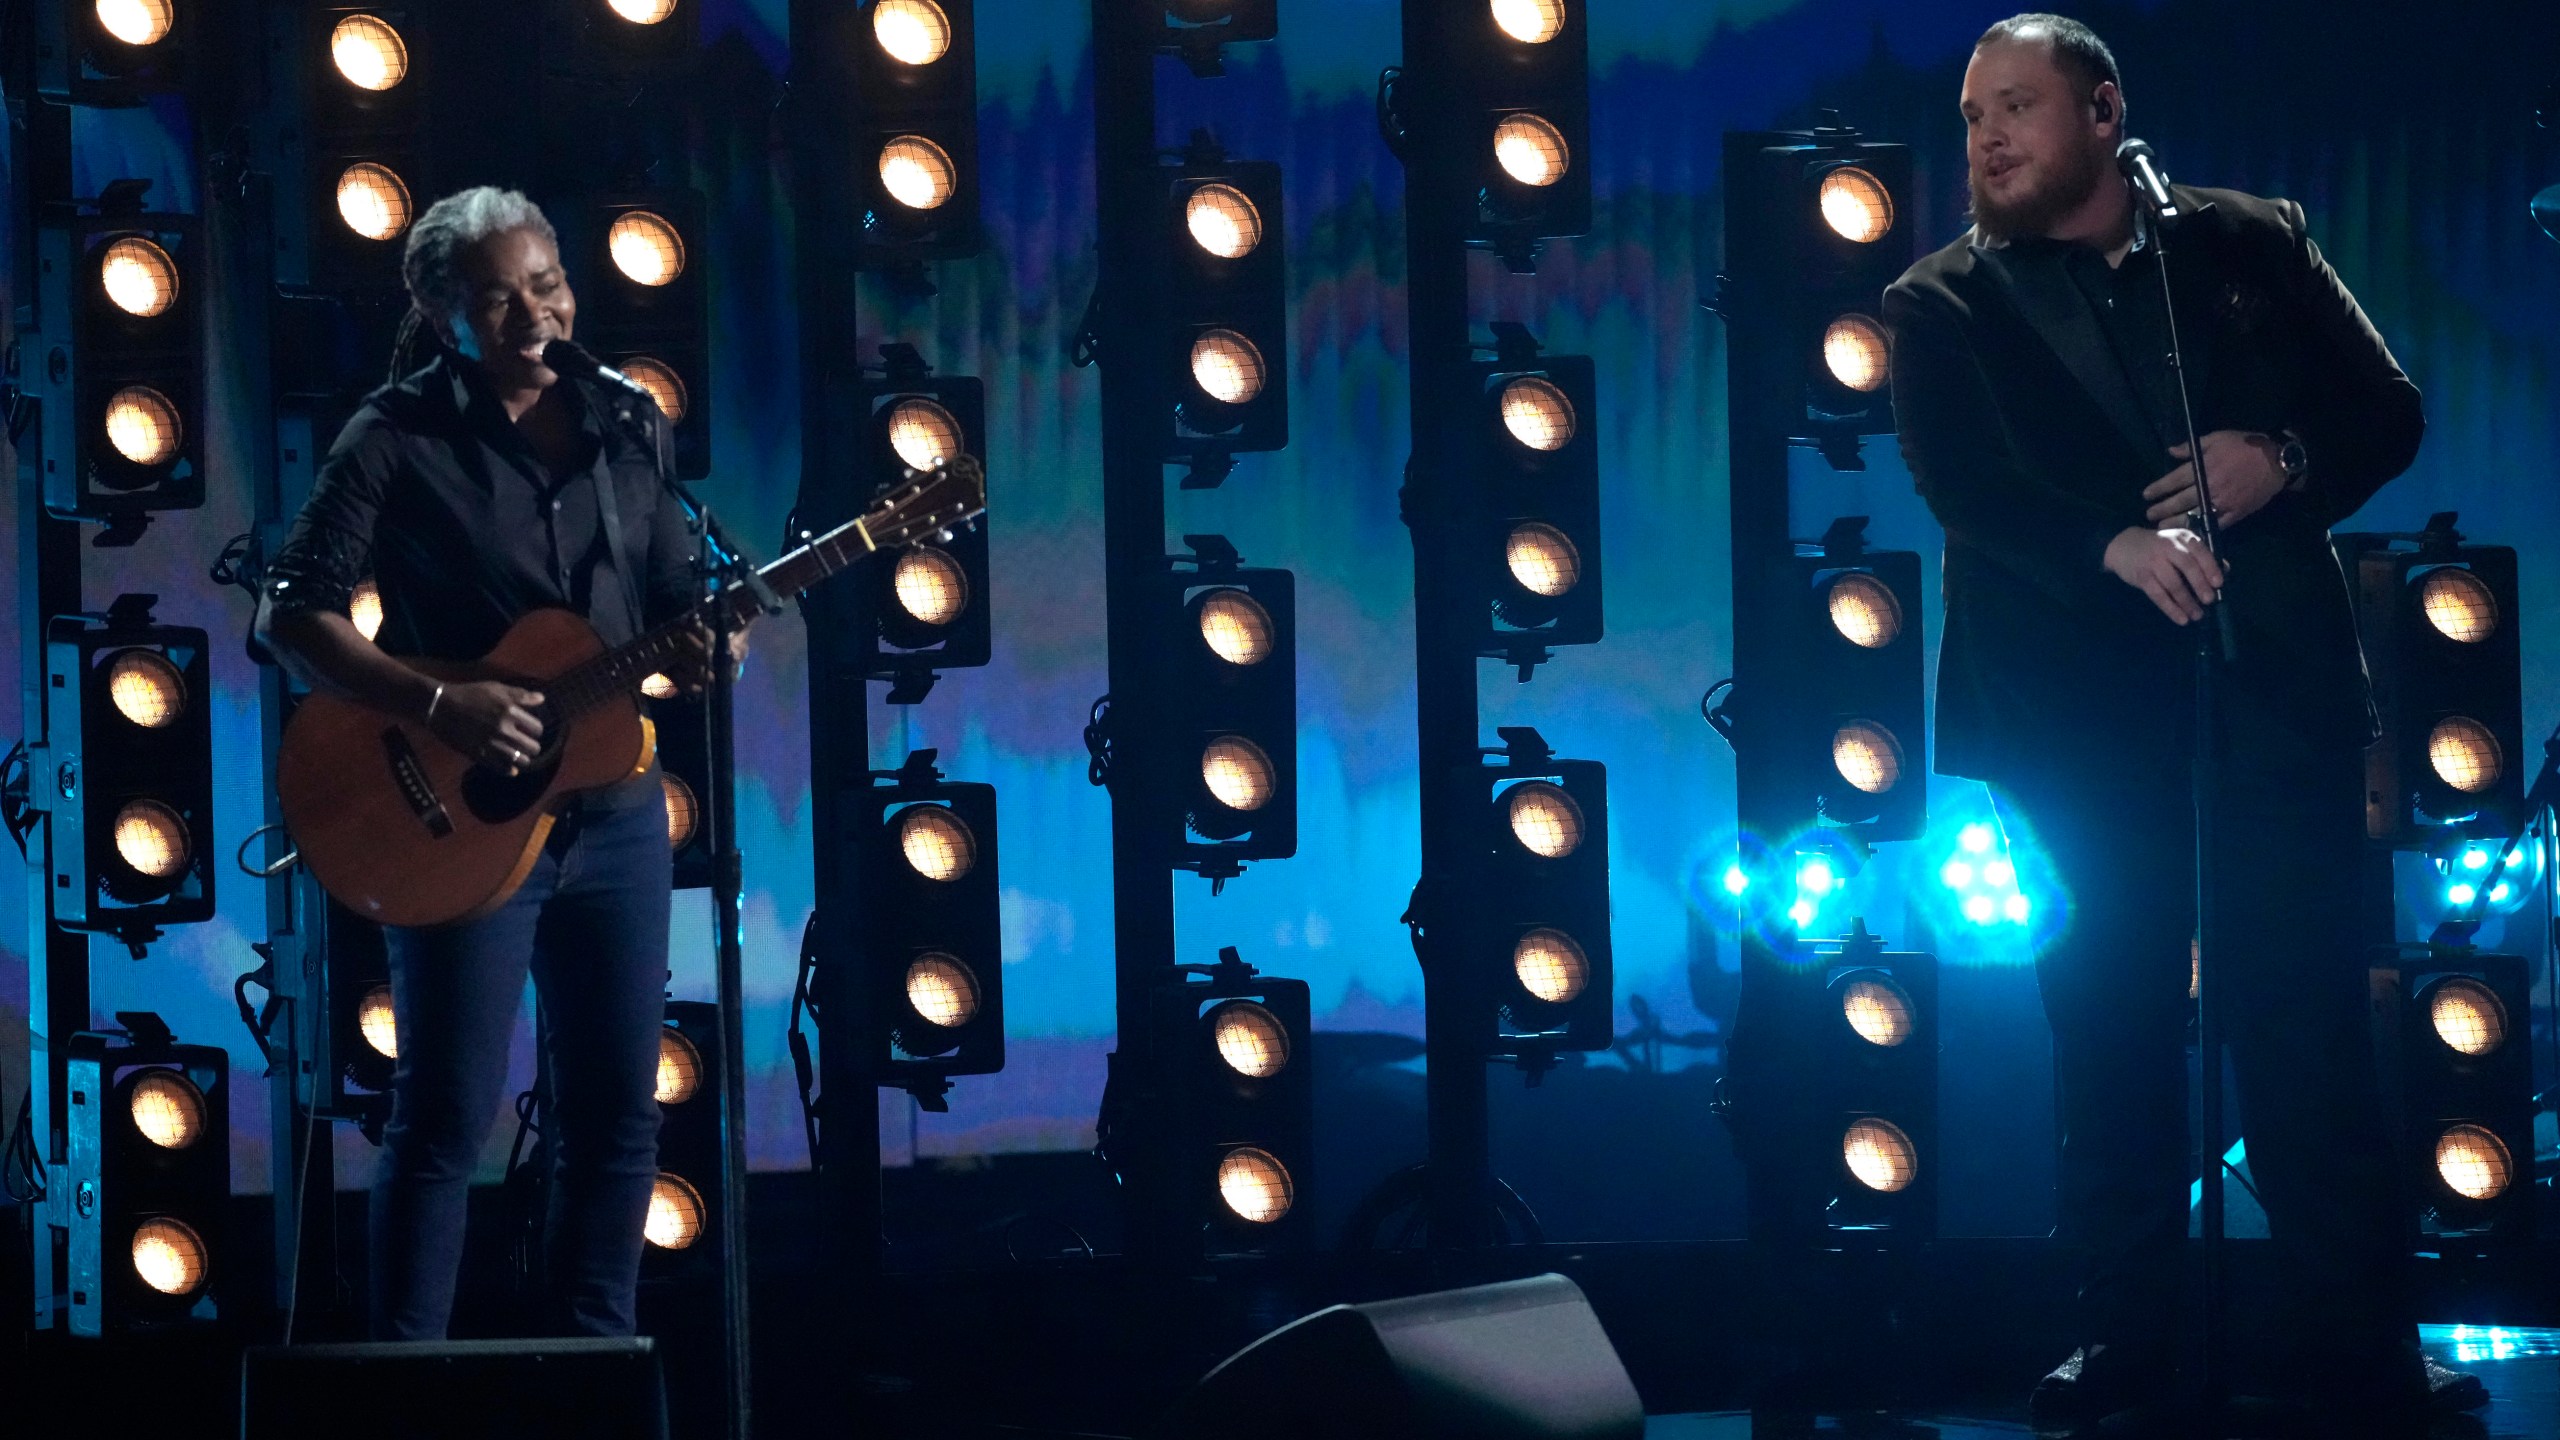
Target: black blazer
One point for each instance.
(2027, 442)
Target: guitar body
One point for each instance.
(403, 830)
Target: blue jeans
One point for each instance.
(591, 924)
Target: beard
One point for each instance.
(2041, 207)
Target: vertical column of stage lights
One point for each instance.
(1490, 113)
(1831, 1084)
(110, 791)
(344, 156)
(1207, 1117)
(2446, 781)
(901, 963)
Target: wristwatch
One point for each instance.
(2295, 459)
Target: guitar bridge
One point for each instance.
(411, 776)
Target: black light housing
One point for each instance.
(683, 1226)
(1533, 533)
(682, 724)
(129, 716)
(2464, 1073)
(1875, 1058)
(1246, 1074)
(1224, 242)
(130, 440)
(150, 1172)
(914, 146)
(1543, 899)
(1526, 103)
(1233, 639)
(2438, 620)
(644, 307)
(930, 848)
(923, 607)
(1850, 721)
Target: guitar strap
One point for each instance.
(609, 513)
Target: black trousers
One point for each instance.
(2292, 974)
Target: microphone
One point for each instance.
(2142, 171)
(571, 358)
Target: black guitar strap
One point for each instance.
(609, 513)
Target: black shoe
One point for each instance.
(2097, 1382)
(2451, 1391)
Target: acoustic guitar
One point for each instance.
(405, 830)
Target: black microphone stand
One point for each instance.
(2214, 649)
(718, 563)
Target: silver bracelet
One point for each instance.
(432, 701)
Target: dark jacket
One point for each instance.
(2026, 440)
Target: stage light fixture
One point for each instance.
(1255, 1186)
(1880, 1156)
(1877, 1009)
(936, 842)
(1856, 205)
(913, 32)
(1840, 730)
(932, 588)
(146, 689)
(1531, 151)
(369, 52)
(1863, 610)
(139, 276)
(1544, 819)
(121, 295)
(929, 848)
(150, 1164)
(1531, 22)
(676, 1213)
(1814, 237)
(923, 433)
(1250, 1039)
(1543, 926)
(1233, 638)
(913, 134)
(1866, 755)
(131, 740)
(2466, 1088)
(1223, 221)
(373, 201)
(679, 1068)
(1224, 307)
(643, 12)
(378, 1023)
(923, 608)
(1537, 413)
(136, 22)
(144, 426)
(1531, 530)
(645, 248)
(665, 387)
(1542, 559)
(2437, 615)
(684, 812)
(2474, 1163)
(2466, 1016)
(1227, 367)
(1853, 349)
(1551, 966)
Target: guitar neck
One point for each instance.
(622, 669)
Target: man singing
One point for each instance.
(473, 490)
(2040, 416)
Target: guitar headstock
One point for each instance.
(953, 492)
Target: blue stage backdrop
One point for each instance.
(2407, 135)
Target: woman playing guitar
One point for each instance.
(479, 488)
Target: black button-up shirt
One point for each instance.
(434, 492)
(2125, 300)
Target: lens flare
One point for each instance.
(1853, 350)
(369, 54)
(167, 1108)
(1867, 756)
(143, 425)
(675, 1213)
(2465, 755)
(1550, 965)
(1251, 1040)
(1880, 1156)
(1856, 205)
(169, 1256)
(936, 842)
(1543, 560)
(1255, 1185)
(1537, 413)
(146, 688)
(942, 991)
(1877, 1009)
(917, 173)
(1530, 150)
(152, 839)
(139, 277)
(1237, 773)
(2474, 1163)
(930, 586)
(2459, 605)
(1544, 819)
(679, 1068)
(378, 1023)
(665, 387)
(1864, 610)
(645, 248)
(1235, 627)
(912, 32)
(2467, 1016)
(1223, 221)
(1227, 367)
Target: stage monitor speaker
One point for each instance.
(1522, 1360)
(436, 1390)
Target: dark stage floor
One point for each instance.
(2521, 1368)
